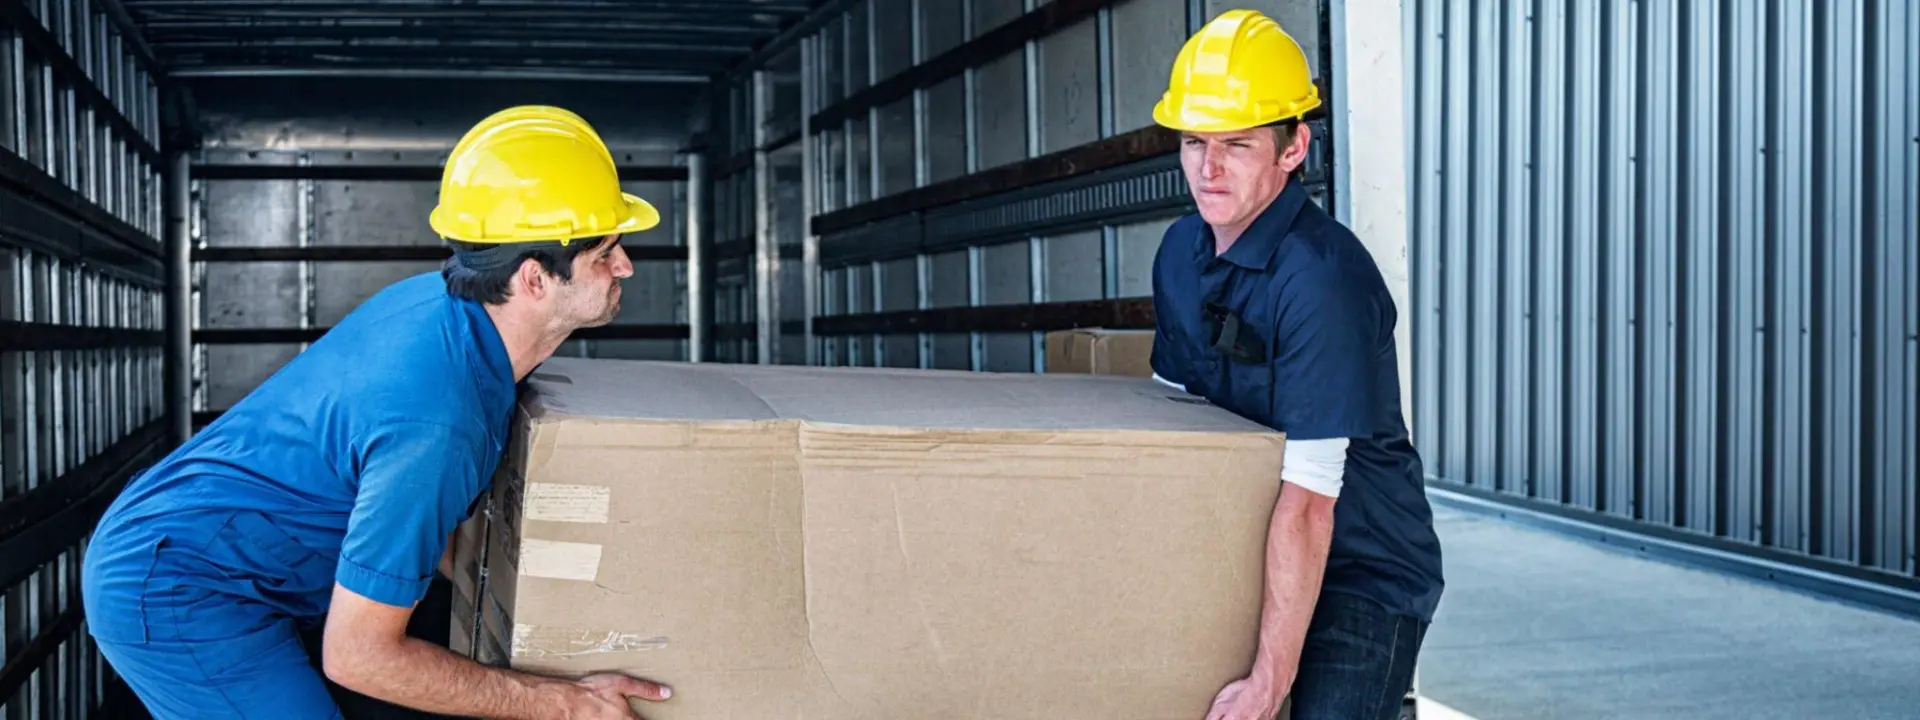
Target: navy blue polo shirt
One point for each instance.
(1292, 327)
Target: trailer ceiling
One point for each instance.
(651, 40)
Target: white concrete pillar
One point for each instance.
(1368, 92)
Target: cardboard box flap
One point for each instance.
(877, 397)
(1100, 351)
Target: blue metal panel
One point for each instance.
(1618, 309)
(1482, 275)
(1789, 393)
(1888, 242)
(1516, 238)
(1664, 262)
(1429, 178)
(1551, 136)
(1837, 235)
(1583, 258)
(1700, 264)
(1909, 98)
(1659, 127)
(1742, 252)
(1457, 338)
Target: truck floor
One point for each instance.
(1537, 624)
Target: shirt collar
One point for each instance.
(1255, 248)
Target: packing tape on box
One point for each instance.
(536, 641)
(559, 560)
(557, 502)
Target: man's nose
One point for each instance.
(622, 265)
(1210, 164)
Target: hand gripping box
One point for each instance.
(841, 543)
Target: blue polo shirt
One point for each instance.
(353, 464)
(1292, 327)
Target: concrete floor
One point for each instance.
(1539, 625)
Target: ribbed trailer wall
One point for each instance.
(81, 311)
(309, 195)
(937, 183)
(1664, 267)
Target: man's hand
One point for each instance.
(1246, 699)
(607, 694)
(367, 650)
(1297, 541)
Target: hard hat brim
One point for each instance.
(1192, 120)
(641, 215)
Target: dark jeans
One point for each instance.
(1357, 663)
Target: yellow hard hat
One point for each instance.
(534, 173)
(1240, 71)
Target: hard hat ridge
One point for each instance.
(1240, 71)
(534, 173)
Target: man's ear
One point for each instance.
(531, 279)
(1295, 153)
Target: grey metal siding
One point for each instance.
(1664, 264)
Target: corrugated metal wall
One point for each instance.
(81, 281)
(977, 103)
(1665, 264)
(303, 208)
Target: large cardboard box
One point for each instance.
(1100, 351)
(829, 543)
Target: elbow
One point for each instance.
(1307, 511)
(349, 664)
(341, 671)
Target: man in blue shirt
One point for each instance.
(331, 491)
(1270, 308)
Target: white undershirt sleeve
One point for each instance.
(1317, 465)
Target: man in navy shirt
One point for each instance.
(331, 491)
(1270, 308)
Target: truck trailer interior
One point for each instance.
(1676, 326)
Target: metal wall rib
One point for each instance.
(1664, 264)
(81, 355)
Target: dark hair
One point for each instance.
(483, 272)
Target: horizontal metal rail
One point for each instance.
(385, 172)
(1041, 22)
(1126, 313)
(1125, 148)
(289, 336)
(39, 651)
(36, 336)
(37, 505)
(385, 253)
(69, 206)
(45, 522)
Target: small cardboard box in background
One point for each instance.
(840, 543)
(1100, 351)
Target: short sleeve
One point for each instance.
(1327, 337)
(416, 482)
(1164, 357)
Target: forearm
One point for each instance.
(424, 676)
(1297, 541)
